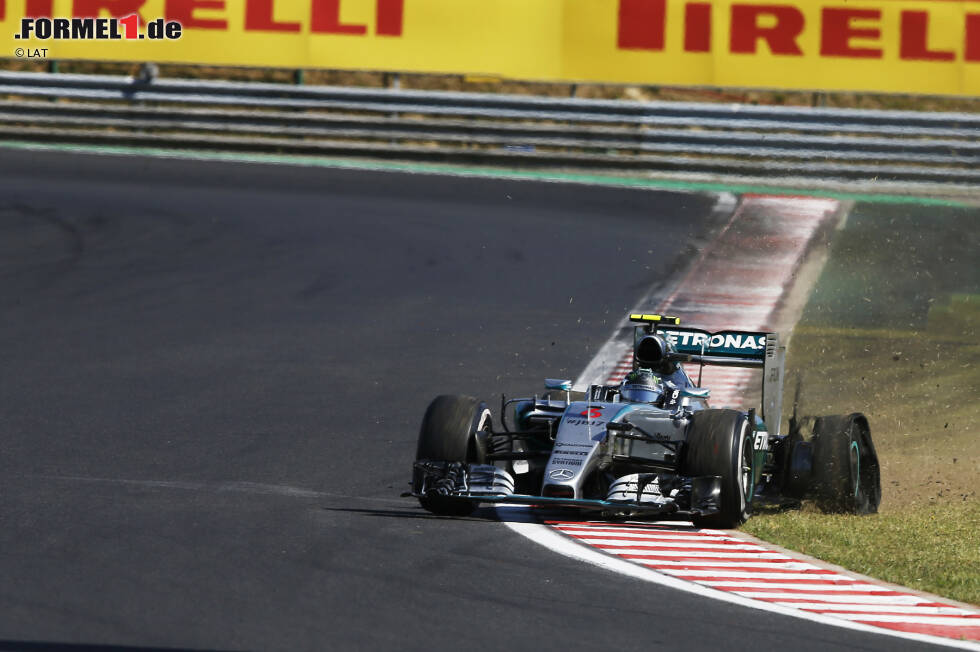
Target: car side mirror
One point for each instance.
(555, 383)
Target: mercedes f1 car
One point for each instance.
(651, 446)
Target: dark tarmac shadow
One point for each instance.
(483, 514)
(517, 514)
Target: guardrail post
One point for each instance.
(147, 72)
(393, 81)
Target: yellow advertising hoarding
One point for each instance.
(911, 46)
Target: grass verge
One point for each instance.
(932, 549)
(891, 330)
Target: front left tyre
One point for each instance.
(449, 434)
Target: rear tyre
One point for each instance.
(448, 434)
(846, 476)
(718, 443)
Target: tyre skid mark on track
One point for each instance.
(738, 282)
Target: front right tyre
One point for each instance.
(719, 443)
(449, 434)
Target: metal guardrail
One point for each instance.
(728, 139)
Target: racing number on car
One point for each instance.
(762, 441)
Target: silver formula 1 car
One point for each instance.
(651, 446)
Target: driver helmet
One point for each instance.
(641, 386)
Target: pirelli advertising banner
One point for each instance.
(909, 46)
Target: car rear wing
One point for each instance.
(727, 348)
(754, 349)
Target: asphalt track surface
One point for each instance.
(211, 383)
